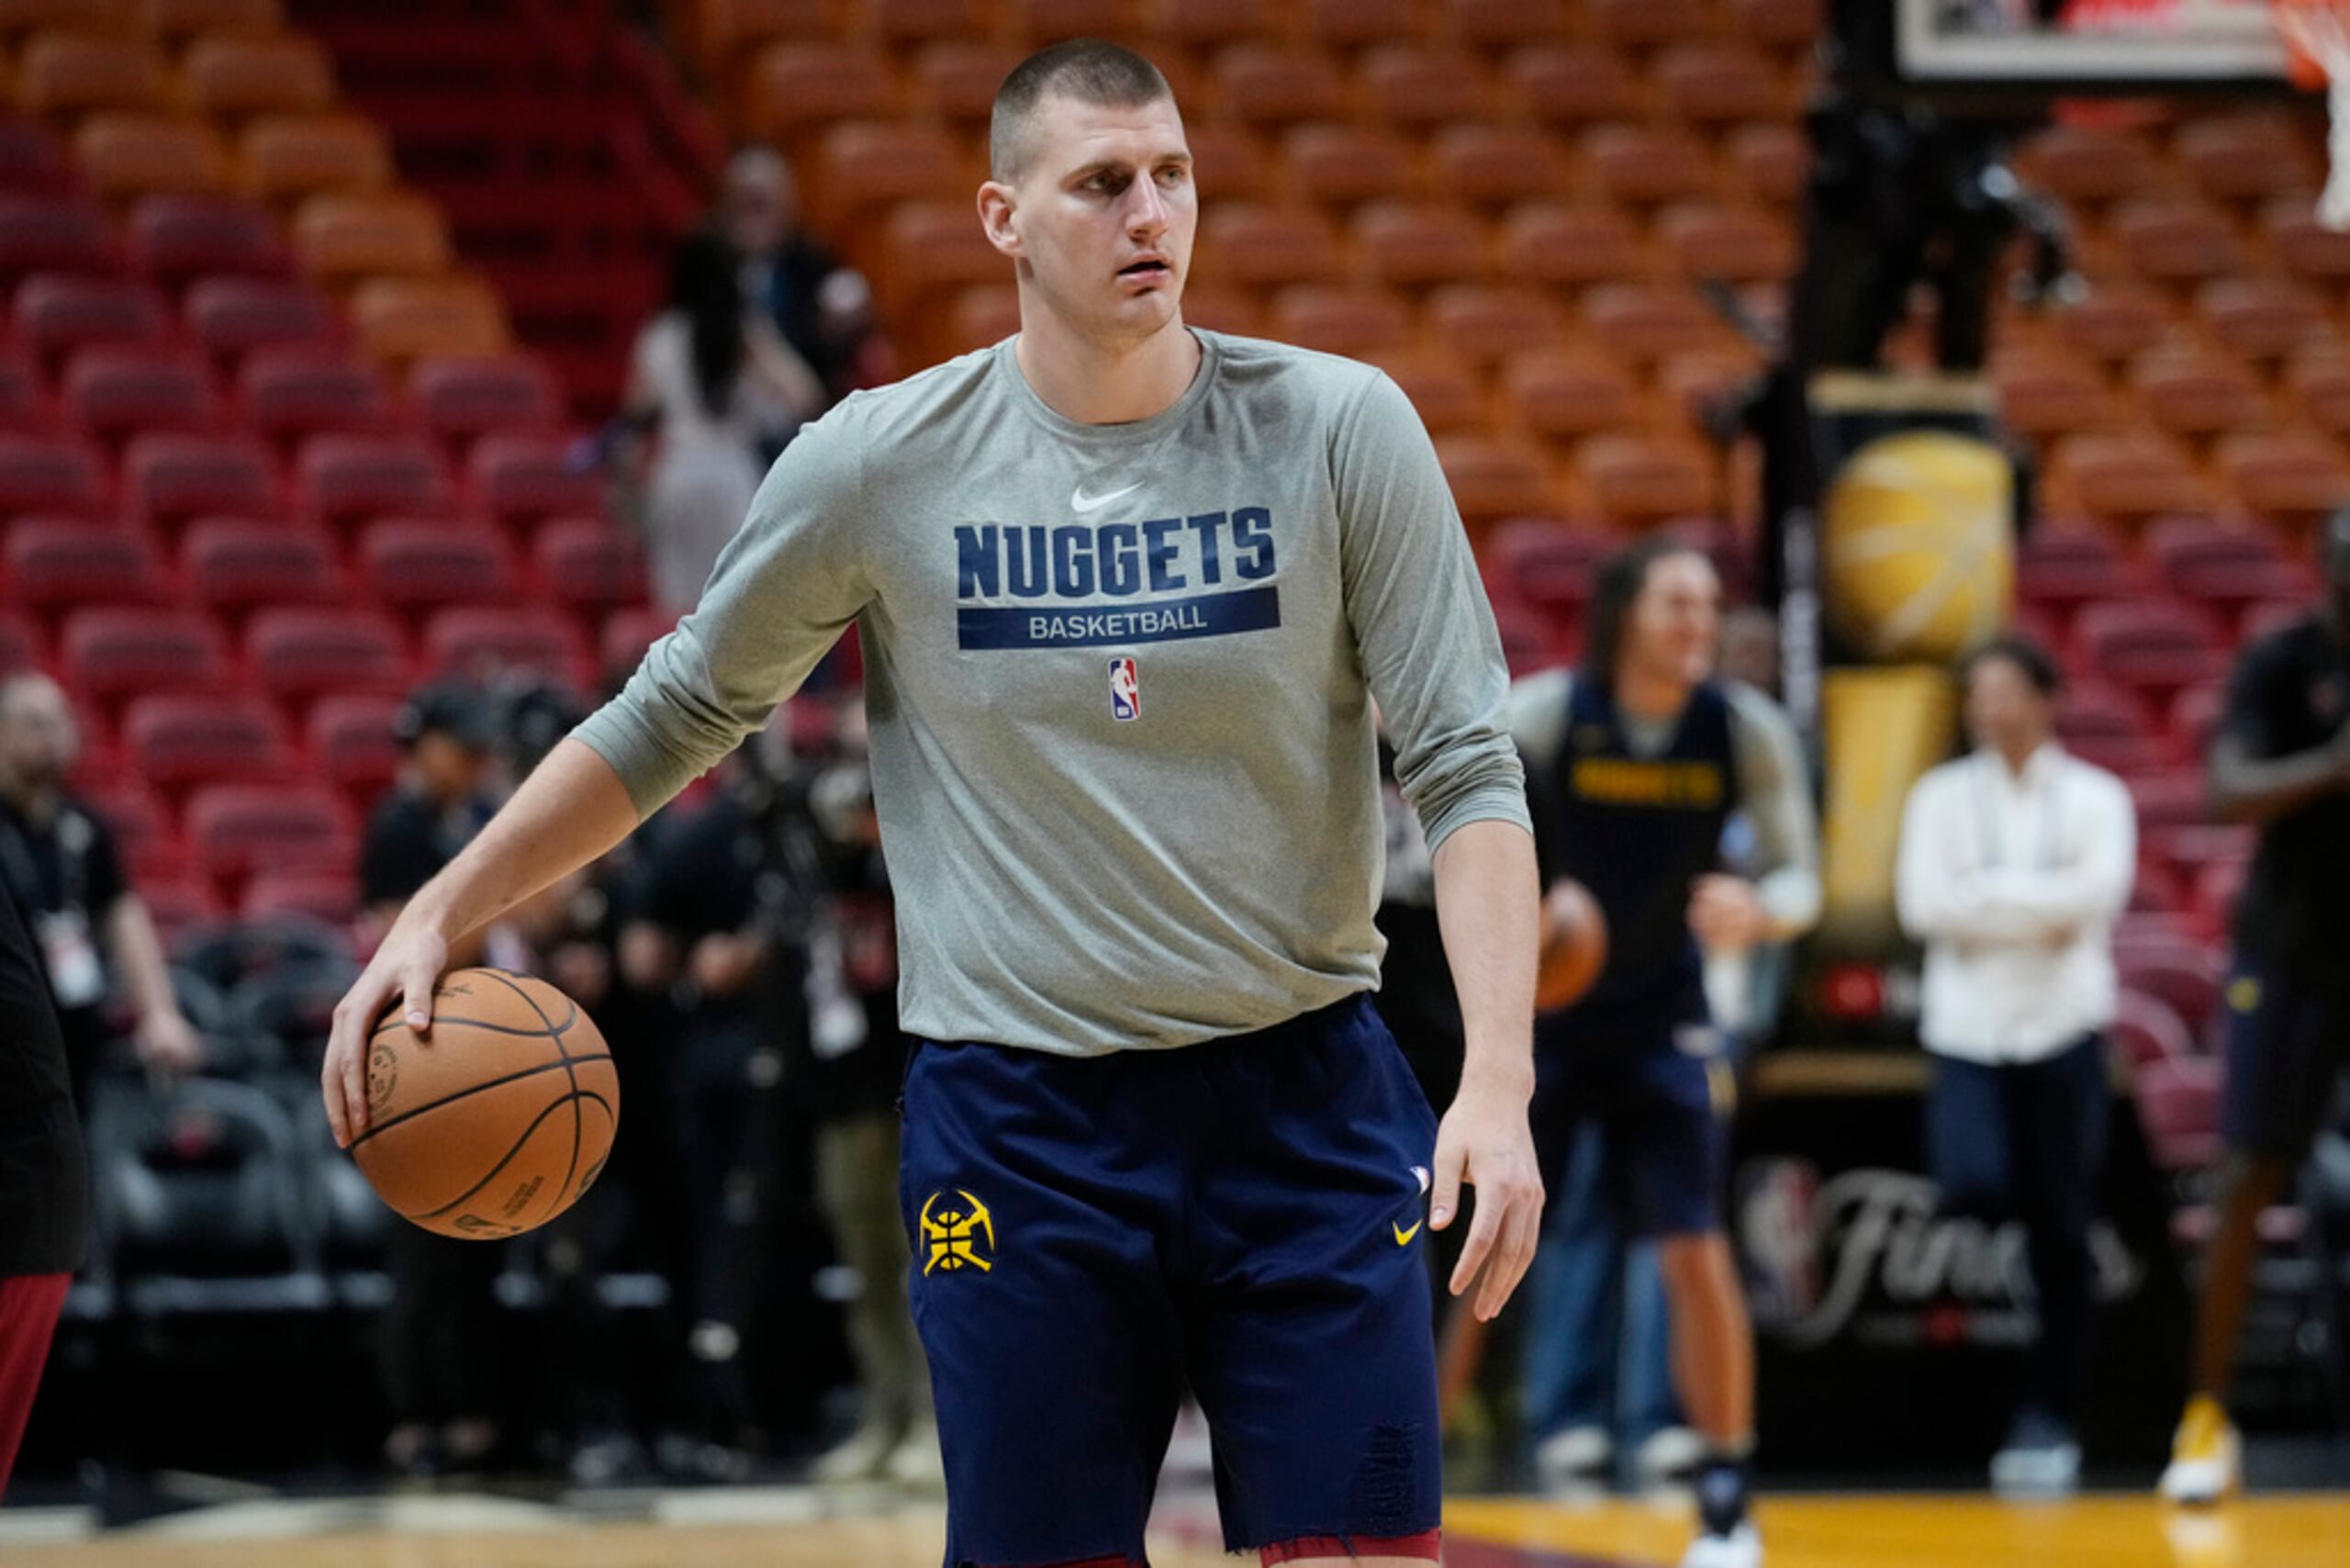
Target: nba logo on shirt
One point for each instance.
(1125, 690)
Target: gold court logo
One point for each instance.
(955, 1237)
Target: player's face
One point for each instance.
(2003, 710)
(1103, 216)
(1675, 622)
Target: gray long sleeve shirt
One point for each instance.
(1120, 682)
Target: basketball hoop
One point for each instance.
(2317, 40)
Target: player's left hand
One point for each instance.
(1485, 1141)
(1727, 913)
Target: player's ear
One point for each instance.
(996, 204)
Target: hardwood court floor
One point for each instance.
(1802, 1532)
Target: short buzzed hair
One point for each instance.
(1087, 70)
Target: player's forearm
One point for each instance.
(572, 809)
(139, 953)
(2252, 791)
(1487, 901)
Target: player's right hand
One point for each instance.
(408, 966)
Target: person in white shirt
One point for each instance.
(2014, 862)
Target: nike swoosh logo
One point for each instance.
(1082, 502)
(1403, 1237)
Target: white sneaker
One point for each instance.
(916, 1462)
(2206, 1457)
(1573, 1459)
(1742, 1548)
(1668, 1455)
(2053, 1470)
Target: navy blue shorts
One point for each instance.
(2289, 1041)
(1663, 1105)
(1244, 1217)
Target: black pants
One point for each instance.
(443, 1334)
(2027, 1141)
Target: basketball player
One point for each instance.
(2280, 759)
(1128, 591)
(1635, 764)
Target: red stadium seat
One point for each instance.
(288, 158)
(40, 474)
(297, 652)
(108, 652)
(1498, 164)
(867, 164)
(1344, 164)
(20, 644)
(2044, 393)
(2062, 567)
(1644, 322)
(2146, 1029)
(232, 316)
(127, 155)
(2174, 241)
(1200, 21)
(1493, 478)
(1571, 392)
(626, 634)
(236, 829)
(1230, 161)
(461, 398)
(33, 162)
(1573, 84)
(405, 565)
(293, 392)
(1419, 242)
(64, 74)
(63, 234)
(1336, 319)
(59, 563)
(352, 475)
(1730, 244)
(2263, 318)
(167, 478)
(957, 81)
(483, 643)
(1489, 22)
(2114, 322)
(55, 314)
(1265, 244)
(2195, 715)
(937, 244)
(2218, 888)
(22, 406)
(1783, 24)
(1644, 166)
(1430, 85)
(1713, 84)
(175, 238)
(326, 895)
(2306, 247)
(1548, 564)
(2245, 157)
(1261, 83)
(1486, 323)
(1770, 161)
(178, 740)
(525, 475)
(1647, 477)
(790, 86)
(2184, 974)
(1571, 244)
(2154, 648)
(2222, 567)
(231, 77)
(178, 903)
(1530, 640)
(1442, 389)
(352, 741)
(2197, 391)
(588, 564)
(233, 564)
(1646, 23)
(1347, 22)
(2289, 477)
(2089, 164)
(2128, 477)
(2094, 709)
(113, 389)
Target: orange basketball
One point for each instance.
(497, 1117)
(1574, 945)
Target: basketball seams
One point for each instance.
(484, 1025)
(578, 1131)
(415, 1111)
(571, 1099)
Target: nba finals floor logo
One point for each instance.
(952, 1238)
